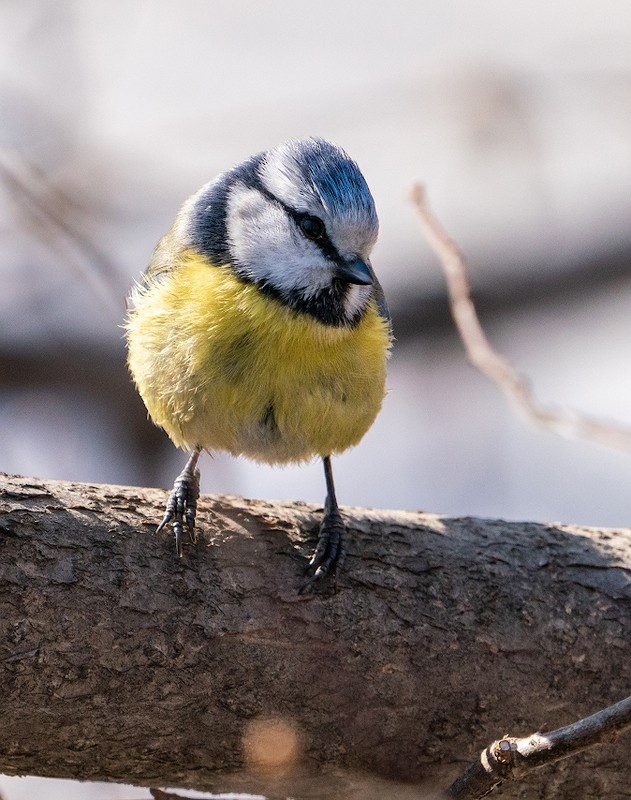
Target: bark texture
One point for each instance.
(120, 662)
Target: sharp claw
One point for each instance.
(177, 532)
(192, 532)
(307, 585)
(165, 521)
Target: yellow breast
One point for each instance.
(219, 365)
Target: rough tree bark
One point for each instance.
(119, 662)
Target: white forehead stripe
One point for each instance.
(283, 178)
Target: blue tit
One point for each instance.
(259, 327)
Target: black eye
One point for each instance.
(312, 227)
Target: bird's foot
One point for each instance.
(330, 551)
(181, 506)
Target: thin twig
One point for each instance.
(512, 758)
(563, 421)
(53, 218)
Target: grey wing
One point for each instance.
(163, 258)
(168, 250)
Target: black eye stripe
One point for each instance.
(323, 242)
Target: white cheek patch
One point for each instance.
(266, 247)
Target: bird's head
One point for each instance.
(298, 221)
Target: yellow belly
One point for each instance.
(221, 366)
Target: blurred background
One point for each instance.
(517, 118)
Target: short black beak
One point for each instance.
(356, 271)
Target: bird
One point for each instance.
(260, 328)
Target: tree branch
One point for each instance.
(120, 662)
(515, 758)
(563, 421)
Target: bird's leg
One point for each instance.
(182, 502)
(330, 550)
